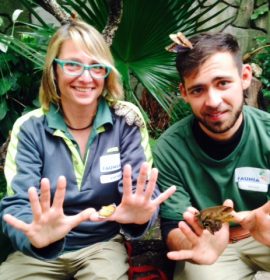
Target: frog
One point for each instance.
(212, 218)
(107, 211)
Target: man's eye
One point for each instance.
(223, 83)
(196, 91)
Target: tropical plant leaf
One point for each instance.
(16, 14)
(24, 49)
(263, 9)
(95, 12)
(5, 85)
(3, 107)
(30, 6)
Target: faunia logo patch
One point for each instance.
(252, 179)
(110, 168)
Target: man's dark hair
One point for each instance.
(204, 46)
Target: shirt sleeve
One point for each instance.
(22, 170)
(166, 226)
(135, 150)
(169, 167)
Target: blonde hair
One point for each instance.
(89, 38)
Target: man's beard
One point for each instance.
(218, 127)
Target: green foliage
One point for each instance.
(2, 185)
(19, 74)
(262, 58)
(181, 109)
(19, 85)
(18, 93)
(260, 11)
(18, 89)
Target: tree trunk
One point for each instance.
(114, 19)
(244, 14)
(55, 9)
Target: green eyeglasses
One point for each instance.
(74, 68)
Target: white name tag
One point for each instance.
(110, 163)
(256, 187)
(252, 179)
(110, 178)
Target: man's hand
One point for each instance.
(49, 224)
(196, 244)
(257, 222)
(138, 207)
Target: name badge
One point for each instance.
(104, 179)
(252, 179)
(109, 163)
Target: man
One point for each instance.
(218, 155)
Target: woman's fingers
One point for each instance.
(152, 185)
(142, 178)
(127, 181)
(14, 222)
(165, 195)
(84, 215)
(45, 195)
(59, 196)
(35, 203)
(142, 190)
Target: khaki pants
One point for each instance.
(101, 261)
(239, 261)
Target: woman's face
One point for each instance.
(83, 90)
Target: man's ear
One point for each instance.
(246, 76)
(183, 91)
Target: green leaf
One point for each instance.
(16, 14)
(3, 47)
(3, 108)
(3, 185)
(95, 12)
(5, 85)
(260, 11)
(1, 21)
(266, 93)
(30, 6)
(261, 40)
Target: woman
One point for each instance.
(81, 139)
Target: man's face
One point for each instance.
(215, 94)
